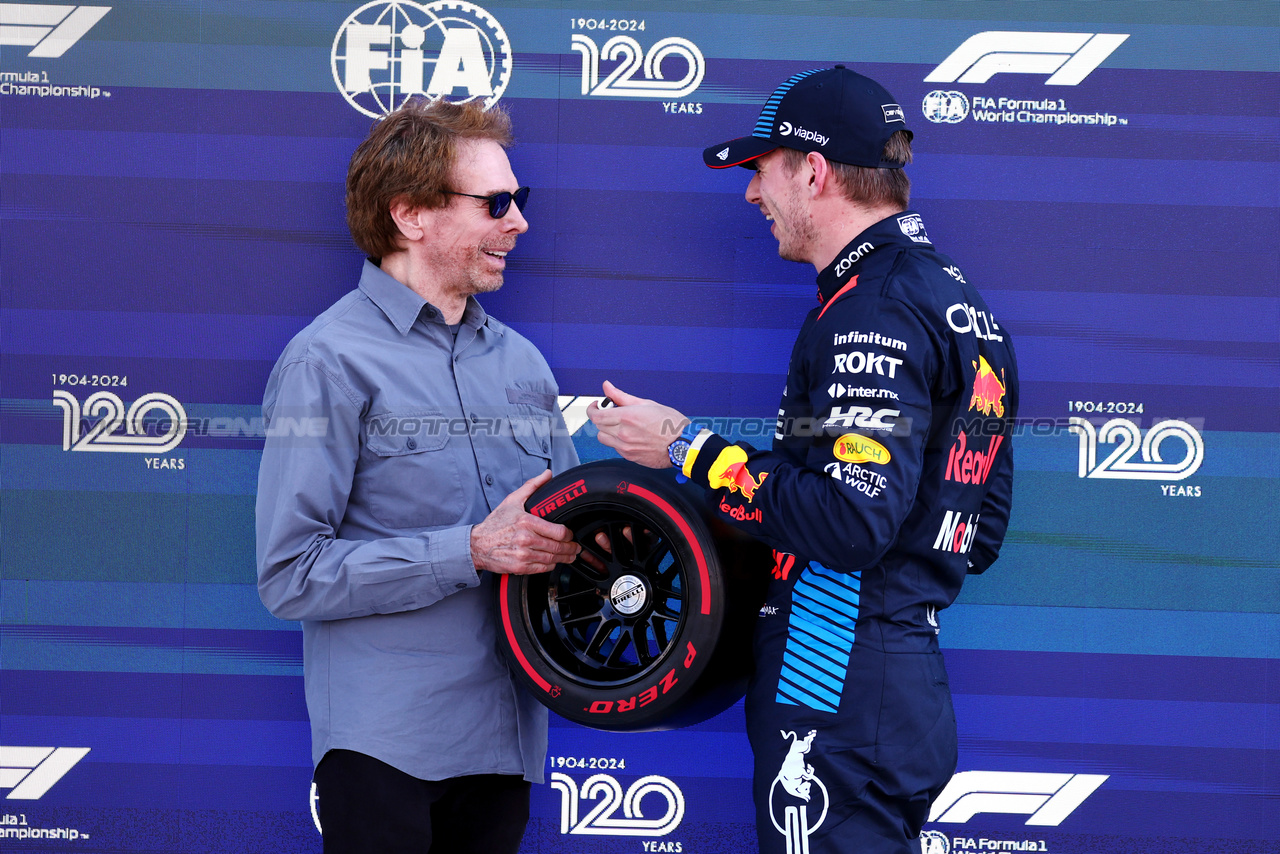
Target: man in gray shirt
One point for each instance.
(406, 428)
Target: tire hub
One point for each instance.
(629, 595)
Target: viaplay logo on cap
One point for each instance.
(383, 52)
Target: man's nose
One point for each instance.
(513, 220)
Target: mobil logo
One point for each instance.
(957, 532)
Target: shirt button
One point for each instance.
(544, 445)
(488, 479)
(462, 586)
(473, 418)
(411, 444)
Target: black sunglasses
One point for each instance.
(500, 203)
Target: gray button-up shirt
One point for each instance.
(387, 440)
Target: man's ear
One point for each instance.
(408, 219)
(819, 173)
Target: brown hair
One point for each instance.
(410, 155)
(869, 186)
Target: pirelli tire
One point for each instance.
(658, 639)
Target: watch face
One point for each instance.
(678, 450)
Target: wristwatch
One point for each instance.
(678, 450)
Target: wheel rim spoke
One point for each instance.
(576, 622)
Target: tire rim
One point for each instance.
(607, 627)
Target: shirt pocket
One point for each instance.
(410, 471)
(532, 433)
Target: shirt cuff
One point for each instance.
(450, 555)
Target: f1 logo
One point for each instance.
(1068, 57)
(1047, 798)
(32, 771)
(50, 30)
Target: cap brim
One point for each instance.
(735, 152)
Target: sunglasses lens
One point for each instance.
(498, 204)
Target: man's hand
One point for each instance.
(512, 542)
(638, 429)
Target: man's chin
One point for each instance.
(487, 285)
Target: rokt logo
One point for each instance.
(50, 30)
(382, 51)
(31, 771)
(1067, 57)
(1047, 798)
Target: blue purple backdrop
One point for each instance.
(171, 198)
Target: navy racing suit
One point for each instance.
(890, 479)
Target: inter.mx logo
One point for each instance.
(29, 772)
(1047, 798)
(48, 30)
(1067, 57)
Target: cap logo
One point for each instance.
(787, 129)
(893, 113)
(723, 155)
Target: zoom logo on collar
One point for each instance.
(786, 129)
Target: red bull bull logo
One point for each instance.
(738, 479)
(853, 448)
(988, 391)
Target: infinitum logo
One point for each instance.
(383, 50)
(49, 30)
(32, 771)
(1067, 57)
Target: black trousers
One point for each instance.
(368, 807)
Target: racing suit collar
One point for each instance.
(901, 229)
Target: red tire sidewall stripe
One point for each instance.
(703, 574)
(511, 637)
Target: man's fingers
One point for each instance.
(529, 487)
(619, 396)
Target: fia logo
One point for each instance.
(108, 408)
(50, 30)
(1047, 798)
(608, 791)
(631, 58)
(383, 50)
(949, 107)
(797, 780)
(1130, 441)
(1069, 56)
(933, 842)
(29, 772)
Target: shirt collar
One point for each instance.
(901, 229)
(403, 307)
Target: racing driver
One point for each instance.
(889, 479)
